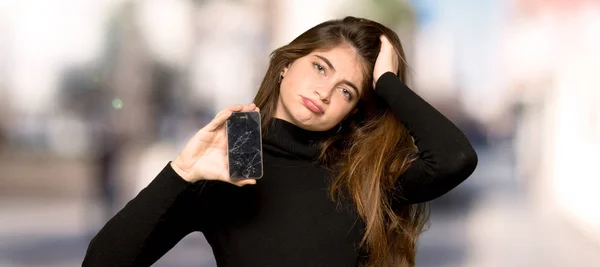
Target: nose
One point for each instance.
(324, 94)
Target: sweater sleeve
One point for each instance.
(148, 226)
(445, 156)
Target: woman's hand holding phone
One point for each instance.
(204, 157)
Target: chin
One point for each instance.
(309, 121)
(304, 119)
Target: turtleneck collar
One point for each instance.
(290, 139)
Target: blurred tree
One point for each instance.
(392, 13)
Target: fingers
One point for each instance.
(240, 183)
(245, 182)
(385, 42)
(387, 45)
(224, 114)
(234, 108)
(249, 107)
(219, 119)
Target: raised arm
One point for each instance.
(445, 156)
(178, 201)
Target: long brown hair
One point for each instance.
(372, 150)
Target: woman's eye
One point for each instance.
(319, 68)
(347, 93)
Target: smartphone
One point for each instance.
(244, 145)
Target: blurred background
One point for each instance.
(98, 95)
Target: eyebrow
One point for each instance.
(346, 82)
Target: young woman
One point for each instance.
(351, 155)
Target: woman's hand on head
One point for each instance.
(387, 60)
(204, 157)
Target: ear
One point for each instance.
(285, 69)
(354, 111)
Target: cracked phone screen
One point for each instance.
(244, 145)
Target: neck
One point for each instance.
(285, 135)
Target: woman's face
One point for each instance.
(321, 89)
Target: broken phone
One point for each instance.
(244, 145)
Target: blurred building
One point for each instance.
(553, 62)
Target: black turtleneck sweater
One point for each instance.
(287, 218)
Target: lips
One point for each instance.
(312, 105)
